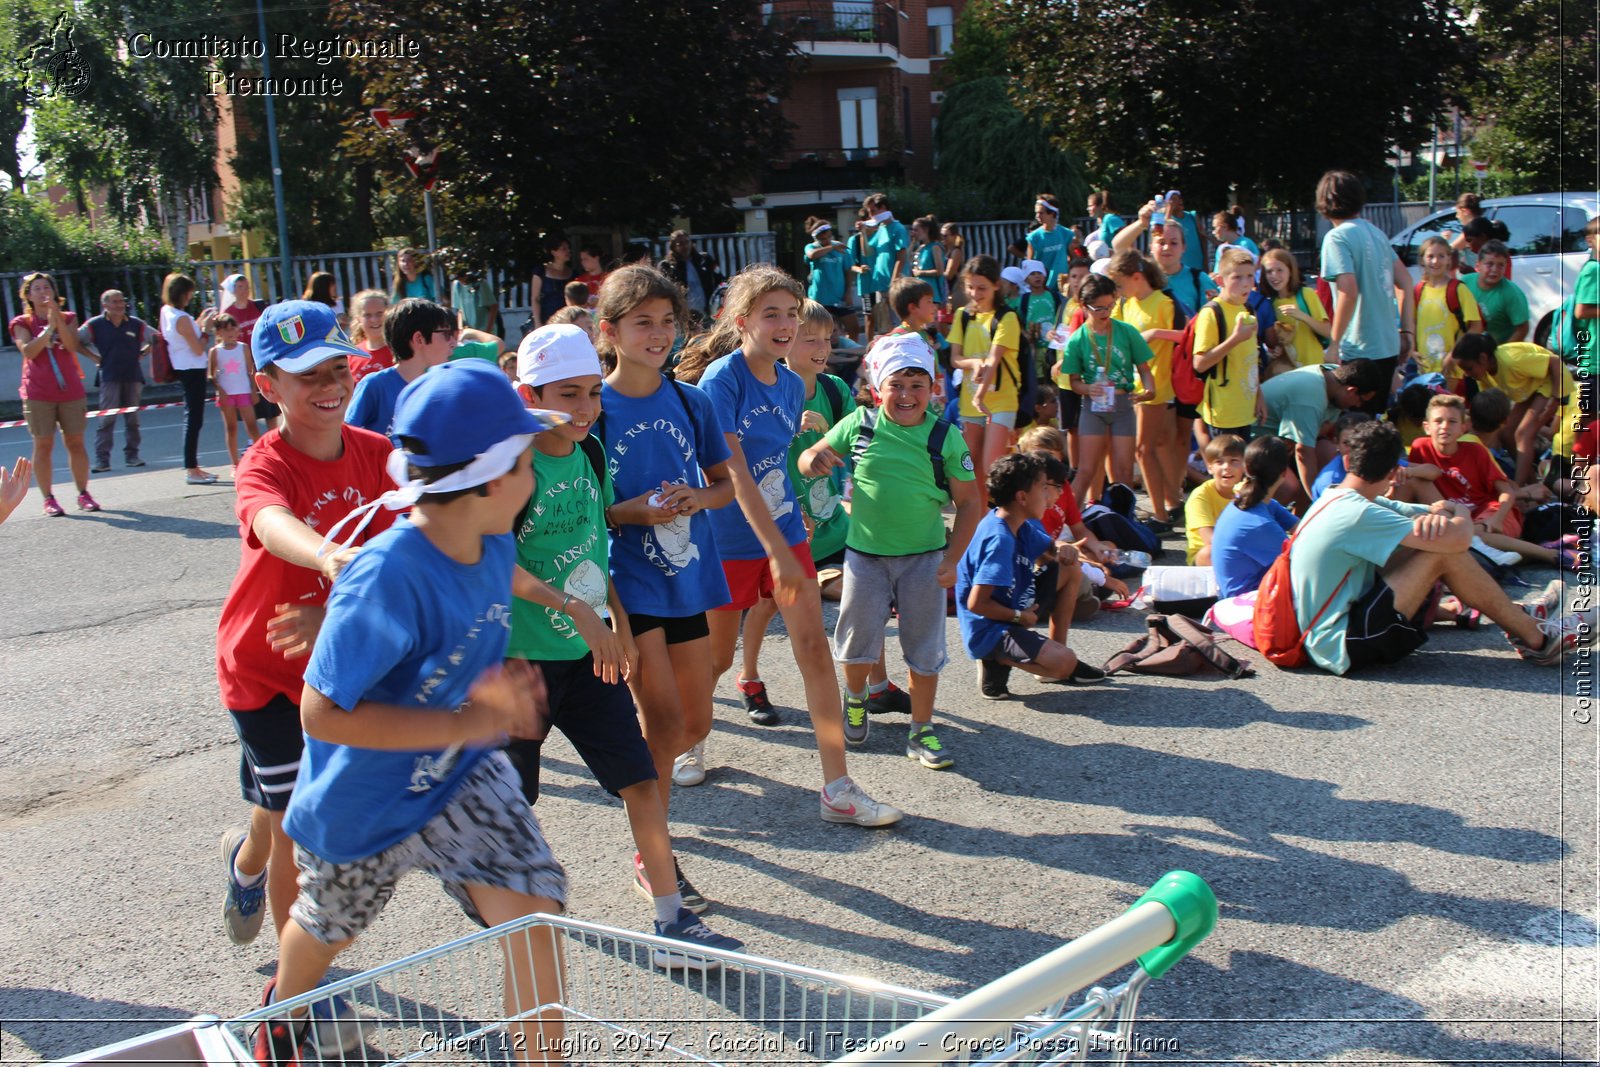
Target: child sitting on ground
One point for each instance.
(996, 599)
(1250, 531)
(1224, 456)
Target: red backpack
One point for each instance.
(1188, 384)
(1277, 628)
(1452, 300)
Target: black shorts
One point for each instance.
(1018, 645)
(1069, 405)
(835, 560)
(1045, 592)
(1377, 634)
(1186, 411)
(1237, 431)
(598, 718)
(270, 742)
(680, 630)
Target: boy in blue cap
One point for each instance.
(406, 701)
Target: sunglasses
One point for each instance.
(1101, 309)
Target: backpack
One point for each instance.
(1189, 384)
(161, 372)
(1277, 628)
(1027, 373)
(936, 439)
(1176, 646)
(1452, 300)
(1112, 519)
(1055, 304)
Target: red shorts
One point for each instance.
(1512, 527)
(750, 580)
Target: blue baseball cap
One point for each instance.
(459, 411)
(296, 335)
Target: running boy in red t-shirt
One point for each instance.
(1465, 472)
(294, 483)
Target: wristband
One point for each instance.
(564, 602)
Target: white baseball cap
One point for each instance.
(556, 353)
(1032, 266)
(898, 352)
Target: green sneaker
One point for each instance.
(855, 720)
(923, 745)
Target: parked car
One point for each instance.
(1546, 242)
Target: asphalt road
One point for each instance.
(1405, 862)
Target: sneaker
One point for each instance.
(335, 1026)
(992, 679)
(87, 502)
(52, 508)
(923, 745)
(245, 906)
(278, 1041)
(856, 725)
(1547, 603)
(691, 896)
(688, 929)
(203, 478)
(851, 805)
(891, 701)
(690, 768)
(1560, 634)
(756, 703)
(134, 462)
(100, 466)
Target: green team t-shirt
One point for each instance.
(561, 539)
(895, 510)
(1094, 358)
(1504, 308)
(822, 499)
(477, 350)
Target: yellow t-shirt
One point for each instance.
(1524, 371)
(1230, 397)
(1154, 312)
(1437, 328)
(1068, 308)
(1307, 346)
(977, 343)
(1201, 511)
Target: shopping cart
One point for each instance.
(448, 1005)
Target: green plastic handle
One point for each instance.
(1193, 907)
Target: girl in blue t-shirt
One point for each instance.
(1251, 530)
(927, 257)
(765, 553)
(669, 463)
(1050, 243)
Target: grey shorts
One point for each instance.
(1119, 423)
(1008, 419)
(486, 835)
(912, 583)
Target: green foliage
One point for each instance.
(1495, 183)
(33, 238)
(910, 202)
(982, 43)
(993, 159)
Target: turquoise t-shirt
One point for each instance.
(927, 261)
(1297, 404)
(1343, 534)
(822, 499)
(1238, 242)
(1050, 248)
(1504, 308)
(1358, 248)
(886, 242)
(1193, 255)
(828, 274)
(561, 539)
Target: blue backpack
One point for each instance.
(1113, 520)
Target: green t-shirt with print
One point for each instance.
(561, 539)
(1094, 358)
(822, 499)
(477, 350)
(1504, 308)
(896, 508)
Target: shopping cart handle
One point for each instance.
(1194, 911)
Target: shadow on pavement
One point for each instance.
(54, 1024)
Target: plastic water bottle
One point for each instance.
(1134, 558)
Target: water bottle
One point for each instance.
(1133, 558)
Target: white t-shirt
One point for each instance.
(184, 355)
(232, 375)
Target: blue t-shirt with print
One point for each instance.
(1244, 544)
(999, 558)
(372, 406)
(1050, 248)
(765, 419)
(407, 625)
(673, 570)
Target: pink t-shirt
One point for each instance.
(52, 377)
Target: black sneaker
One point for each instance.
(100, 466)
(691, 897)
(992, 679)
(892, 701)
(1082, 674)
(757, 705)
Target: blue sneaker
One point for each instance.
(688, 928)
(245, 906)
(334, 1026)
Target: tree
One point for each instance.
(615, 113)
(1264, 95)
(1538, 92)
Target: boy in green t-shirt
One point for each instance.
(896, 549)
(562, 542)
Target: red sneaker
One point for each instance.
(87, 502)
(52, 508)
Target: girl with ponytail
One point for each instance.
(1251, 530)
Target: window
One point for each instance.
(941, 30)
(1444, 225)
(1573, 222)
(858, 122)
(1535, 228)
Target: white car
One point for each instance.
(1547, 245)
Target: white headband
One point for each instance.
(484, 468)
(1047, 206)
(824, 228)
(883, 216)
(225, 290)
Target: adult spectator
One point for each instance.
(549, 279)
(955, 256)
(476, 305)
(1194, 242)
(234, 300)
(52, 387)
(116, 340)
(1363, 569)
(1365, 274)
(1503, 303)
(187, 340)
(696, 272)
(411, 278)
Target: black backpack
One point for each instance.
(830, 388)
(936, 439)
(1027, 374)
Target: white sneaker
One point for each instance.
(1547, 603)
(850, 804)
(1500, 556)
(690, 768)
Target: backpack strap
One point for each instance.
(831, 389)
(1452, 300)
(1202, 640)
(595, 453)
(864, 431)
(1221, 366)
(936, 439)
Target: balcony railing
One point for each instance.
(803, 169)
(849, 21)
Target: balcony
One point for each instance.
(804, 170)
(840, 34)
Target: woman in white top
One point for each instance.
(186, 344)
